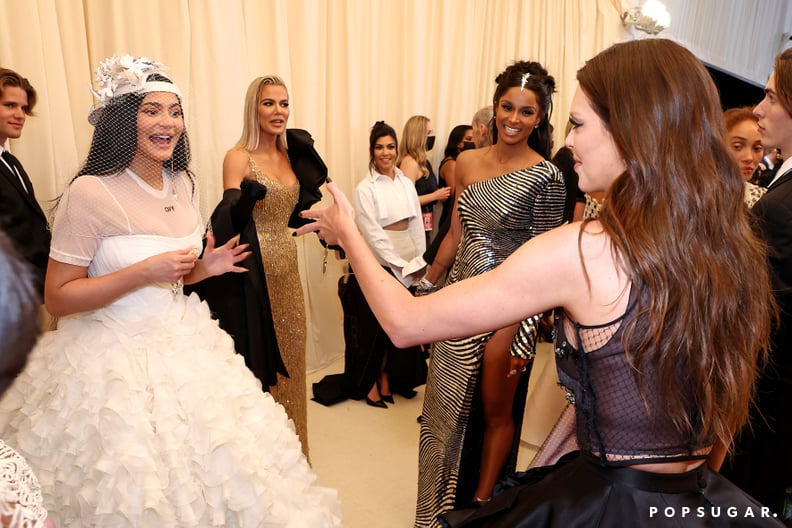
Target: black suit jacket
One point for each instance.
(22, 218)
(762, 464)
(774, 211)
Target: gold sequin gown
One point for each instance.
(279, 255)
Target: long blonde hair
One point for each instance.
(413, 142)
(250, 137)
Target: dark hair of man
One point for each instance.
(783, 80)
(12, 78)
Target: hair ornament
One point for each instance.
(524, 80)
(120, 75)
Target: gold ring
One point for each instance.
(512, 372)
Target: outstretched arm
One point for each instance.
(528, 282)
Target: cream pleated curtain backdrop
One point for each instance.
(347, 64)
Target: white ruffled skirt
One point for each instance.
(158, 424)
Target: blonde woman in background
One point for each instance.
(417, 139)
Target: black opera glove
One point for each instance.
(252, 192)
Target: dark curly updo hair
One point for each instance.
(380, 129)
(532, 76)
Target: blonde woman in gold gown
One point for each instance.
(265, 187)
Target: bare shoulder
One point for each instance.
(235, 168)
(410, 168)
(236, 156)
(603, 281)
(561, 245)
(581, 245)
(469, 164)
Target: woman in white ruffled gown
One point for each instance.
(136, 411)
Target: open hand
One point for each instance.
(442, 194)
(331, 222)
(219, 260)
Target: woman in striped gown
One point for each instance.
(507, 193)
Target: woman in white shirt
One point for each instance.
(388, 215)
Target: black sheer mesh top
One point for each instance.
(615, 421)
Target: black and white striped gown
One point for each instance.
(497, 215)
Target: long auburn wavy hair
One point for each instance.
(679, 228)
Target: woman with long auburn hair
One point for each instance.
(659, 378)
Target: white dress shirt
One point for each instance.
(785, 167)
(381, 201)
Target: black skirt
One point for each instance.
(578, 492)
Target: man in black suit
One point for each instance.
(762, 464)
(21, 217)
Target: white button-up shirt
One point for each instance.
(381, 201)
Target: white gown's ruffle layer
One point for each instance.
(131, 426)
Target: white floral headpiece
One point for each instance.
(126, 74)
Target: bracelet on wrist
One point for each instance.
(425, 287)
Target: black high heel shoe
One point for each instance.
(378, 403)
(383, 397)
